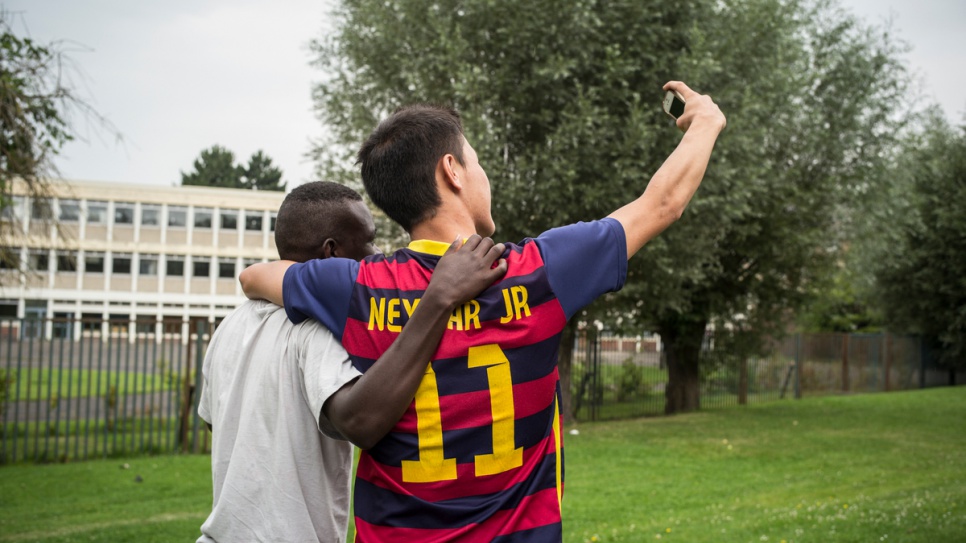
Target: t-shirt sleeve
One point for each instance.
(320, 290)
(326, 368)
(204, 401)
(584, 261)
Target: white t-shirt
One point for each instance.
(276, 477)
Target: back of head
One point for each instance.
(399, 160)
(309, 215)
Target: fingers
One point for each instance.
(679, 86)
(455, 246)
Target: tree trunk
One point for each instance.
(682, 339)
(565, 365)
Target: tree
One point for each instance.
(215, 167)
(260, 174)
(923, 277)
(563, 106)
(38, 104)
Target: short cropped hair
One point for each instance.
(398, 160)
(308, 216)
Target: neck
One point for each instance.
(444, 227)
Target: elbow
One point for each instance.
(361, 431)
(672, 211)
(245, 278)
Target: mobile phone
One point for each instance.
(674, 103)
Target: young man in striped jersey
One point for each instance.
(477, 457)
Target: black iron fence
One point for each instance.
(78, 388)
(620, 377)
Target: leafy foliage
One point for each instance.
(923, 276)
(215, 167)
(562, 103)
(37, 104)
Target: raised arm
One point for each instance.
(364, 410)
(263, 281)
(675, 182)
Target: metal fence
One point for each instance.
(618, 377)
(77, 389)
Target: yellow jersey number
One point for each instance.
(432, 465)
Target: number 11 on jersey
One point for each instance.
(432, 465)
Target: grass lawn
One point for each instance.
(46, 384)
(877, 467)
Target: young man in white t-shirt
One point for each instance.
(281, 397)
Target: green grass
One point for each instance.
(878, 467)
(52, 385)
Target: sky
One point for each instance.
(179, 76)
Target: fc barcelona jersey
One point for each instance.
(478, 455)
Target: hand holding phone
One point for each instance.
(674, 104)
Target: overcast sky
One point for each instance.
(178, 76)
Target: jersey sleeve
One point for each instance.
(584, 260)
(320, 290)
(326, 368)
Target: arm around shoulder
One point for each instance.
(263, 281)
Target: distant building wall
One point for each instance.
(112, 250)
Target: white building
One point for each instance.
(132, 252)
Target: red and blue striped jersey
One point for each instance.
(478, 455)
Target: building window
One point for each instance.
(13, 208)
(69, 211)
(96, 212)
(144, 324)
(121, 264)
(271, 224)
(91, 322)
(9, 258)
(94, 262)
(123, 213)
(253, 221)
(39, 261)
(150, 215)
(177, 216)
(229, 219)
(40, 209)
(8, 309)
(201, 266)
(66, 261)
(148, 265)
(226, 268)
(174, 266)
(202, 217)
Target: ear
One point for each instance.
(328, 248)
(448, 169)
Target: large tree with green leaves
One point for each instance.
(922, 277)
(39, 108)
(562, 102)
(216, 167)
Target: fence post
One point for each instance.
(922, 363)
(186, 397)
(845, 362)
(743, 381)
(798, 366)
(886, 360)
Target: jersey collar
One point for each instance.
(429, 246)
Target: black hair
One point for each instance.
(309, 215)
(398, 160)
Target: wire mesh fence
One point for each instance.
(620, 377)
(80, 388)
(73, 389)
